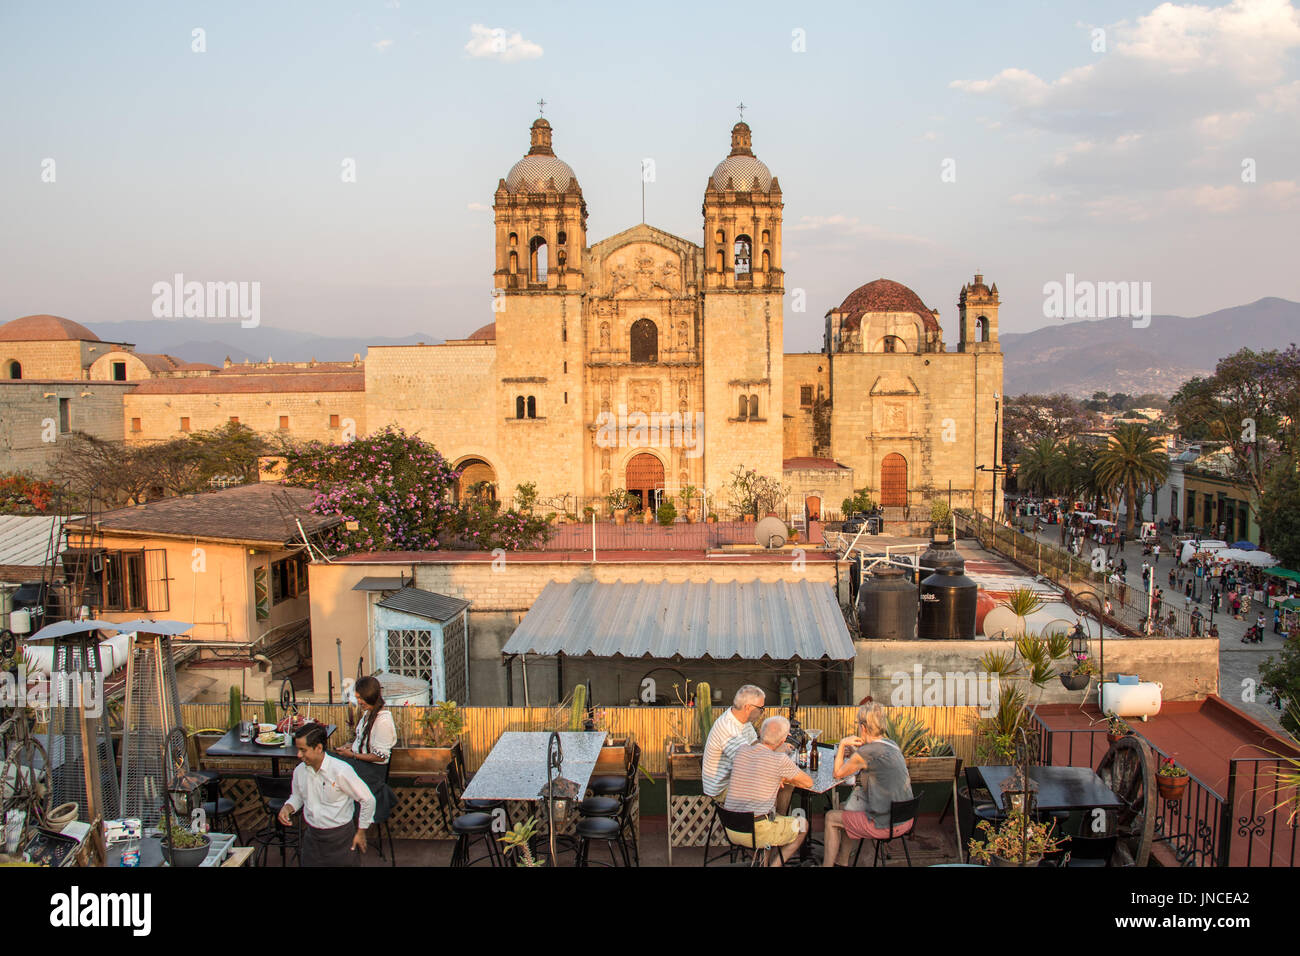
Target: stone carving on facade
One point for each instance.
(643, 396)
(618, 278)
(604, 335)
(893, 417)
(683, 335)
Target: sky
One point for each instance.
(1114, 141)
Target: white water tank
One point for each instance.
(1131, 700)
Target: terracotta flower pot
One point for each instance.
(1172, 788)
(620, 516)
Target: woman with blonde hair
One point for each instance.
(882, 776)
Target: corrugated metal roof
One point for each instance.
(24, 539)
(751, 620)
(434, 606)
(370, 583)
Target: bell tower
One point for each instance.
(977, 307)
(743, 300)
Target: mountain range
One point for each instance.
(1110, 355)
(1077, 358)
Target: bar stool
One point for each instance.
(468, 827)
(274, 792)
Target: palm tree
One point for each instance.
(1071, 471)
(1035, 466)
(1133, 459)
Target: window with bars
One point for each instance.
(410, 653)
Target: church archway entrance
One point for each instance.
(645, 479)
(893, 481)
(477, 479)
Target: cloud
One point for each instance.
(838, 226)
(382, 45)
(477, 207)
(494, 43)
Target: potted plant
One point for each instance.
(687, 496)
(1171, 780)
(439, 740)
(713, 517)
(1117, 727)
(186, 848)
(666, 514)
(1082, 672)
(1015, 841)
(518, 840)
(1022, 602)
(588, 513)
(620, 502)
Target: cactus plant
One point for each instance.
(236, 707)
(704, 709)
(578, 711)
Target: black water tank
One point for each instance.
(940, 554)
(887, 605)
(948, 600)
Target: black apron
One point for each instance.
(374, 775)
(331, 847)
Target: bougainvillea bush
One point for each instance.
(20, 494)
(395, 492)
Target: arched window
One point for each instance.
(767, 237)
(982, 329)
(743, 412)
(753, 406)
(892, 343)
(537, 259)
(14, 369)
(743, 252)
(722, 261)
(514, 239)
(645, 341)
(532, 406)
(519, 406)
(514, 263)
(561, 238)
(721, 237)
(767, 261)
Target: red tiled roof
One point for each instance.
(354, 381)
(486, 334)
(810, 464)
(884, 295)
(158, 362)
(45, 328)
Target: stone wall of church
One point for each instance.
(30, 433)
(742, 356)
(162, 416)
(936, 410)
(829, 485)
(48, 360)
(807, 384)
(447, 394)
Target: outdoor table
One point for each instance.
(515, 769)
(231, 746)
(1059, 788)
(823, 782)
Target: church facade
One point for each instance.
(648, 362)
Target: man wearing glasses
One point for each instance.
(733, 730)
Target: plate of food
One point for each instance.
(270, 739)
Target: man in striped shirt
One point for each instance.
(730, 732)
(758, 774)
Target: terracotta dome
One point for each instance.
(45, 328)
(486, 334)
(885, 295)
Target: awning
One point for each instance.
(369, 583)
(429, 604)
(780, 620)
(1283, 573)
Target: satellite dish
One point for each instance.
(1002, 622)
(771, 533)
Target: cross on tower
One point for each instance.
(541, 107)
(741, 107)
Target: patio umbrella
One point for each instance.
(1245, 546)
(63, 628)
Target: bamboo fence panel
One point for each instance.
(652, 727)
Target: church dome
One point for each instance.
(741, 168)
(45, 328)
(486, 334)
(540, 167)
(884, 295)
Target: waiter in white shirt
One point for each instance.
(327, 788)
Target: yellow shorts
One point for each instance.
(768, 833)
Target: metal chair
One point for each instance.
(727, 849)
(735, 821)
(456, 783)
(274, 792)
(468, 827)
(1091, 851)
(902, 818)
(383, 825)
(617, 808)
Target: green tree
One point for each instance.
(1035, 466)
(1070, 473)
(1132, 461)
(1279, 514)
(1251, 402)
